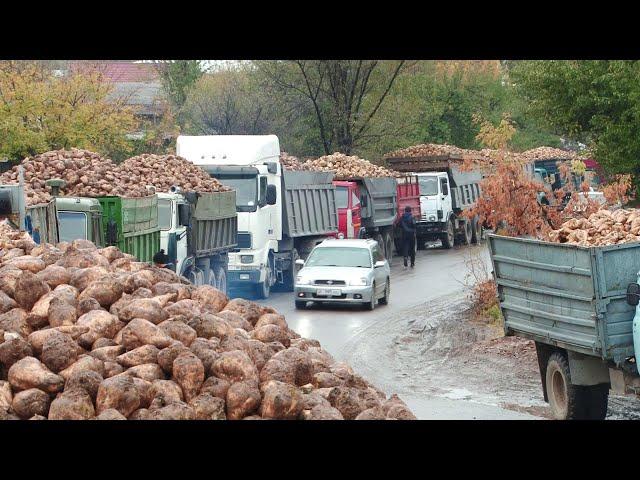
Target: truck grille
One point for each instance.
(244, 240)
(333, 282)
(424, 217)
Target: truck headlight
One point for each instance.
(246, 258)
(341, 235)
(432, 218)
(360, 282)
(302, 281)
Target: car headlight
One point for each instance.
(246, 258)
(302, 281)
(360, 282)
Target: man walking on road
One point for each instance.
(408, 226)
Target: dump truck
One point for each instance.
(282, 214)
(197, 232)
(578, 305)
(446, 192)
(38, 220)
(371, 207)
(131, 224)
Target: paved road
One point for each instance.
(438, 272)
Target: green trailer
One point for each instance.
(131, 224)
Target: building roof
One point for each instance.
(141, 94)
(120, 71)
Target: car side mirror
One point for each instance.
(272, 195)
(633, 294)
(379, 263)
(300, 262)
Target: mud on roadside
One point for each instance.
(437, 349)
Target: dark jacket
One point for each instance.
(407, 224)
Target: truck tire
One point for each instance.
(221, 278)
(476, 230)
(467, 234)
(388, 251)
(597, 401)
(448, 237)
(290, 274)
(263, 289)
(567, 401)
(301, 305)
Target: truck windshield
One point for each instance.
(72, 226)
(164, 214)
(342, 197)
(428, 185)
(246, 191)
(339, 257)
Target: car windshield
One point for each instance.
(428, 185)
(339, 257)
(246, 188)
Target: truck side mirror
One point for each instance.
(272, 195)
(184, 214)
(633, 294)
(445, 188)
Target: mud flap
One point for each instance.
(543, 352)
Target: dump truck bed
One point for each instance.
(136, 221)
(309, 203)
(569, 296)
(214, 222)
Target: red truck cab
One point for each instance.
(348, 206)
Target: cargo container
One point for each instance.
(574, 303)
(131, 224)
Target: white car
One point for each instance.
(344, 271)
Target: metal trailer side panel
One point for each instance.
(568, 296)
(382, 201)
(214, 223)
(309, 203)
(44, 219)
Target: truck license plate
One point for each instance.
(328, 292)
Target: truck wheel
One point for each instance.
(467, 234)
(476, 230)
(264, 288)
(290, 274)
(221, 278)
(565, 399)
(388, 251)
(300, 305)
(448, 237)
(597, 401)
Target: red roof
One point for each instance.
(119, 71)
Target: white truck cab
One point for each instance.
(169, 222)
(435, 201)
(250, 164)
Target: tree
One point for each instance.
(178, 76)
(594, 102)
(40, 112)
(344, 95)
(227, 102)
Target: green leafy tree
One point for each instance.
(594, 102)
(40, 112)
(178, 76)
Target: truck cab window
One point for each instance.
(262, 200)
(246, 188)
(444, 186)
(72, 226)
(164, 214)
(342, 197)
(355, 201)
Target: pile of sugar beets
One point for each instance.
(89, 333)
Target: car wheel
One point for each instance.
(387, 291)
(371, 304)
